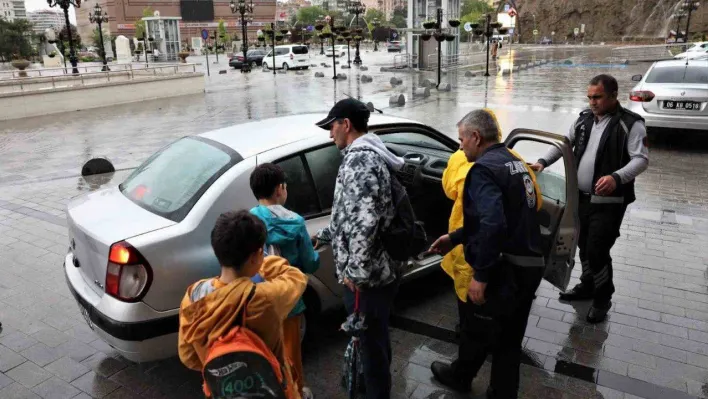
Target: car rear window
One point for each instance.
(173, 179)
(679, 74)
(299, 50)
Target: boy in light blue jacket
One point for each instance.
(288, 238)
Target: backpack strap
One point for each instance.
(242, 313)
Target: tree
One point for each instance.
(15, 39)
(96, 38)
(310, 15)
(223, 34)
(74, 36)
(140, 25)
(372, 14)
(399, 19)
(472, 11)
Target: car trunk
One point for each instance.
(99, 220)
(677, 93)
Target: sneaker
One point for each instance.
(307, 393)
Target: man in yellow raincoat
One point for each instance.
(453, 182)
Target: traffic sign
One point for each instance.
(394, 34)
(535, 32)
(205, 34)
(468, 27)
(310, 28)
(576, 31)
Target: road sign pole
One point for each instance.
(205, 36)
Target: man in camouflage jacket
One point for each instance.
(362, 207)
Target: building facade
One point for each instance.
(43, 19)
(196, 15)
(18, 8)
(7, 10)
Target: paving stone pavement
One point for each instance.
(654, 344)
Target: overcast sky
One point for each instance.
(34, 5)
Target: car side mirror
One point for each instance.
(637, 78)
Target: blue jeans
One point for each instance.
(375, 342)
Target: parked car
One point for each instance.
(546, 40)
(336, 51)
(290, 56)
(136, 247)
(696, 51)
(394, 46)
(255, 58)
(673, 94)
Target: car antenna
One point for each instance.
(369, 105)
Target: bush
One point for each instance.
(88, 59)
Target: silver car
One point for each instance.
(135, 248)
(673, 95)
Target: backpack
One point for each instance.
(405, 237)
(240, 365)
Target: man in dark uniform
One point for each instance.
(502, 243)
(610, 148)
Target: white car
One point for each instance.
(336, 51)
(698, 50)
(673, 95)
(290, 56)
(136, 247)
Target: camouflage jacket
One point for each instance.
(362, 206)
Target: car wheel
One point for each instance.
(254, 64)
(265, 65)
(305, 67)
(285, 66)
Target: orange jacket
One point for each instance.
(203, 321)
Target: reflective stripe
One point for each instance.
(624, 126)
(598, 199)
(525, 261)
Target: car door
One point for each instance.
(559, 188)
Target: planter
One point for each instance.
(183, 56)
(358, 31)
(279, 37)
(326, 35)
(495, 25)
(21, 65)
(454, 23)
(478, 32)
(51, 55)
(503, 31)
(426, 36)
(439, 37)
(340, 39)
(261, 38)
(449, 38)
(284, 31)
(429, 24)
(319, 27)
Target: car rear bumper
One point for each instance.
(667, 121)
(152, 336)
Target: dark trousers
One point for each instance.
(498, 327)
(375, 342)
(599, 229)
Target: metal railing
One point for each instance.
(61, 71)
(647, 53)
(33, 84)
(401, 61)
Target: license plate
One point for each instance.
(86, 316)
(683, 105)
(301, 60)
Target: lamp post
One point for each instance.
(376, 42)
(64, 5)
(689, 6)
(99, 17)
(318, 26)
(356, 7)
(435, 29)
(488, 32)
(146, 40)
(679, 16)
(246, 12)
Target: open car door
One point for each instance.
(559, 213)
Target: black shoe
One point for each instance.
(577, 293)
(444, 374)
(598, 315)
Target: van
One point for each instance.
(290, 56)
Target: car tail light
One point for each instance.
(292, 56)
(642, 96)
(128, 275)
(239, 57)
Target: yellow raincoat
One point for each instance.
(453, 182)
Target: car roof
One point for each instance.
(276, 132)
(680, 62)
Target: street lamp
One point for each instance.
(679, 16)
(356, 7)
(433, 28)
(689, 6)
(64, 5)
(319, 25)
(376, 42)
(246, 11)
(99, 17)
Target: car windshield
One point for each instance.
(679, 74)
(299, 50)
(168, 186)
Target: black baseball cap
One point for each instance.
(354, 110)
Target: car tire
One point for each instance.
(286, 67)
(305, 68)
(254, 64)
(265, 65)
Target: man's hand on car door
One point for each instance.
(442, 245)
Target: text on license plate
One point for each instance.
(687, 105)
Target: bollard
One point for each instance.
(327, 66)
(517, 68)
(366, 79)
(319, 74)
(222, 72)
(324, 64)
(506, 72)
(395, 81)
(281, 71)
(336, 62)
(313, 65)
(397, 99)
(470, 74)
(363, 68)
(427, 83)
(341, 76)
(346, 67)
(444, 87)
(299, 73)
(421, 92)
(97, 166)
